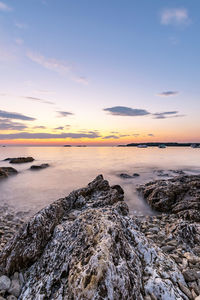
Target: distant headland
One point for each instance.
(159, 144)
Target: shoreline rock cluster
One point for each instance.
(87, 246)
(8, 171)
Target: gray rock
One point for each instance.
(179, 195)
(4, 283)
(190, 275)
(15, 287)
(11, 297)
(101, 254)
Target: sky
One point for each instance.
(99, 72)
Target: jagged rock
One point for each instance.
(39, 167)
(7, 171)
(20, 160)
(180, 195)
(99, 253)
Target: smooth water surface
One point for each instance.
(74, 167)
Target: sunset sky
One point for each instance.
(99, 72)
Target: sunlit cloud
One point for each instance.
(177, 16)
(168, 93)
(4, 7)
(14, 115)
(62, 114)
(126, 111)
(81, 79)
(28, 135)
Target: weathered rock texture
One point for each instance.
(7, 171)
(86, 246)
(180, 195)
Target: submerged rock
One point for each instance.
(179, 195)
(127, 176)
(20, 160)
(7, 171)
(86, 246)
(39, 167)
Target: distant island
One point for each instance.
(157, 144)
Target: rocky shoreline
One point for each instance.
(87, 246)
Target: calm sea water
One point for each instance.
(72, 168)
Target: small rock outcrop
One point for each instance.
(86, 246)
(20, 160)
(39, 167)
(7, 171)
(127, 176)
(179, 195)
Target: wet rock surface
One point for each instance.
(39, 167)
(20, 160)
(7, 171)
(87, 246)
(179, 195)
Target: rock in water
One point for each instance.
(180, 195)
(86, 246)
(20, 160)
(7, 171)
(39, 167)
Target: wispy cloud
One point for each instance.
(19, 41)
(4, 7)
(62, 114)
(150, 134)
(57, 66)
(168, 93)
(38, 100)
(81, 79)
(7, 124)
(14, 115)
(126, 111)
(20, 25)
(28, 135)
(59, 128)
(166, 114)
(176, 16)
(110, 137)
(39, 127)
(49, 63)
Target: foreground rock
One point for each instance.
(86, 246)
(20, 160)
(180, 195)
(7, 171)
(39, 167)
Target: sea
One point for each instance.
(74, 167)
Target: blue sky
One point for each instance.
(87, 57)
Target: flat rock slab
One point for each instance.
(86, 246)
(39, 167)
(179, 195)
(20, 160)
